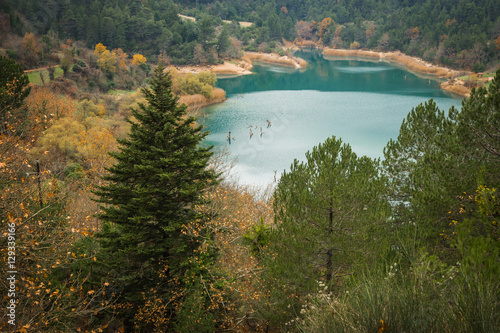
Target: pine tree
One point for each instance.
(330, 211)
(13, 91)
(152, 224)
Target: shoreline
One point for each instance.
(244, 65)
(412, 64)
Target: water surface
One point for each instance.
(361, 102)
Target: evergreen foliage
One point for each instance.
(454, 34)
(13, 91)
(330, 216)
(153, 225)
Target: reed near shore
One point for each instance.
(274, 59)
(411, 63)
(194, 102)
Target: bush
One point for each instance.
(192, 84)
(12, 54)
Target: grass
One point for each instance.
(425, 296)
(118, 92)
(34, 77)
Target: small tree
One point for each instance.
(152, 223)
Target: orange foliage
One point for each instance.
(412, 33)
(121, 58)
(236, 209)
(138, 59)
(44, 101)
(30, 43)
(324, 25)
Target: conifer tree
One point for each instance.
(329, 210)
(13, 91)
(152, 224)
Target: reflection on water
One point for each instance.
(363, 103)
(361, 70)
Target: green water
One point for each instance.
(361, 102)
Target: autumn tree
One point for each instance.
(50, 295)
(106, 59)
(30, 50)
(304, 30)
(138, 59)
(324, 25)
(153, 229)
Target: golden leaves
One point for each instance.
(138, 59)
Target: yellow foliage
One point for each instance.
(61, 137)
(44, 102)
(138, 59)
(354, 45)
(107, 59)
(100, 49)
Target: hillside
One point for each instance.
(462, 35)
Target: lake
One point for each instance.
(277, 114)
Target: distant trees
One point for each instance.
(154, 27)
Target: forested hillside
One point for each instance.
(463, 34)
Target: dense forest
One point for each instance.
(461, 34)
(115, 216)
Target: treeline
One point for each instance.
(152, 28)
(462, 35)
(457, 34)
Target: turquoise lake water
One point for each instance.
(362, 102)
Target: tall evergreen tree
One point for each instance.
(152, 222)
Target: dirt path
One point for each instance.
(40, 69)
(190, 18)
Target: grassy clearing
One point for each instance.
(473, 80)
(35, 78)
(118, 92)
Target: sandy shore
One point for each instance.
(412, 64)
(244, 66)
